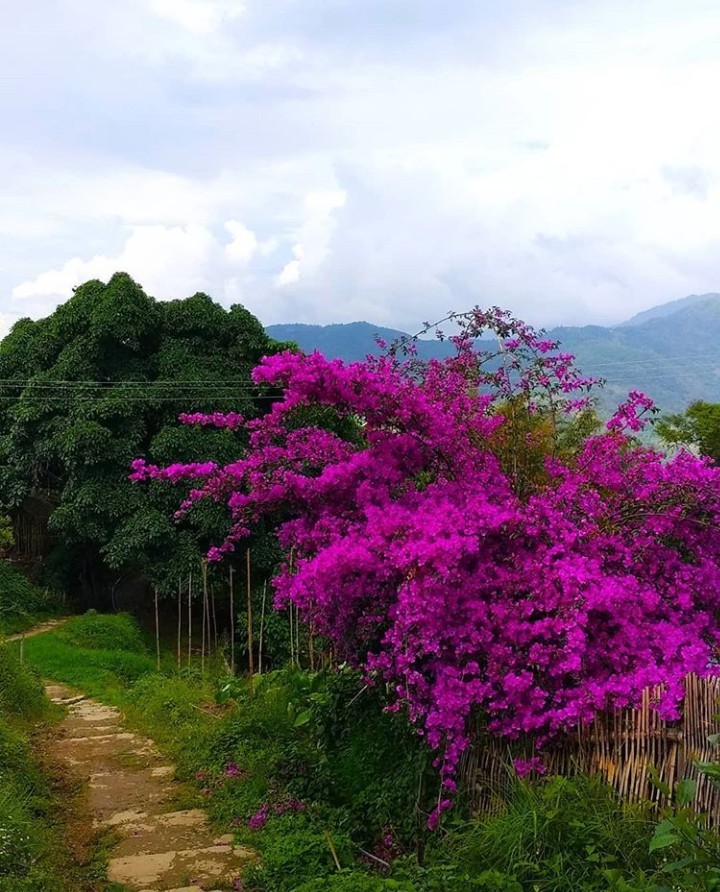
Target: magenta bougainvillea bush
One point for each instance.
(415, 549)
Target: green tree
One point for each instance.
(698, 427)
(100, 382)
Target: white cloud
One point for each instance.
(197, 16)
(169, 261)
(290, 273)
(560, 158)
(244, 242)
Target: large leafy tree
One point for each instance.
(100, 381)
(697, 427)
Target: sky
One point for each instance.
(388, 160)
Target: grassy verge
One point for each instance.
(334, 793)
(43, 843)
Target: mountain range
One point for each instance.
(671, 351)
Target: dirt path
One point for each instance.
(131, 790)
(40, 629)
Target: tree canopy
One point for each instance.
(698, 427)
(100, 381)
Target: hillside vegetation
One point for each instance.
(669, 352)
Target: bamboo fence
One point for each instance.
(621, 746)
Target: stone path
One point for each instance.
(130, 790)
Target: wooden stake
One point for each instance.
(232, 623)
(203, 566)
(251, 657)
(292, 637)
(262, 628)
(214, 619)
(189, 618)
(179, 629)
(157, 630)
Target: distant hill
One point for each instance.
(669, 308)
(671, 352)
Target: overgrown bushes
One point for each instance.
(21, 602)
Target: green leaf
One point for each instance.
(663, 840)
(302, 718)
(685, 791)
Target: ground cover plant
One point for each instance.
(34, 856)
(22, 604)
(306, 768)
(458, 543)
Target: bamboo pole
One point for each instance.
(214, 619)
(292, 640)
(292, 637)
(189, 619)
(179, 624)
(203, 566)
(251, 657)
(262, 629)
(157, 630)
(232, 622)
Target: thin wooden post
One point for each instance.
(290, 610)
(189, 618)
(157, 630)
(292, 637)
(214, 619)
(251, 657)
(262, 629)
(232, 622)
(203, 565)
(179, 626)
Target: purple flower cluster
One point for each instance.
(430, 566)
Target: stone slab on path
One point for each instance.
(131, 790)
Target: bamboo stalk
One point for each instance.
(214, 619)
(157, 630)
(251, 657)
(232, 622)
(262, 629)
(189, 619)
(297, 636)
(203, 565)
(179, 626)
(292, 637)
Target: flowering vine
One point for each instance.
(429, 562)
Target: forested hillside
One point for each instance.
(670, 351)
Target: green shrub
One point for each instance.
(21, 602)
(97, 631)
(20, 692)
(555, 835)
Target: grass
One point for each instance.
(334, 793)
(22, 604)
(35, 840)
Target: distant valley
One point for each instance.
(671, 351)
